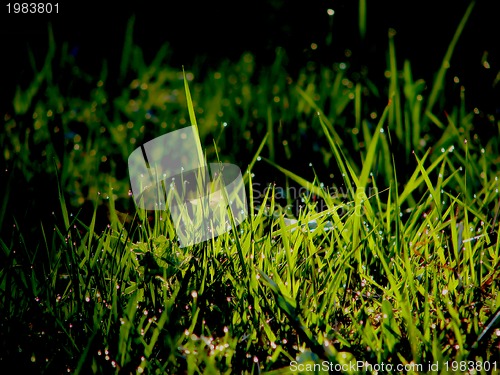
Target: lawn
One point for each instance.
(371, 237)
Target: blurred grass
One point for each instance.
(394, 256)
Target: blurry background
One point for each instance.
(212, 31)
(206, 36)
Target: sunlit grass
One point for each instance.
(395, 259)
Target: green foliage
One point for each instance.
(401, 267)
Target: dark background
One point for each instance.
(213, 30)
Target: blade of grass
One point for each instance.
(438, 83)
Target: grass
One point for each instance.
(393, 258)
